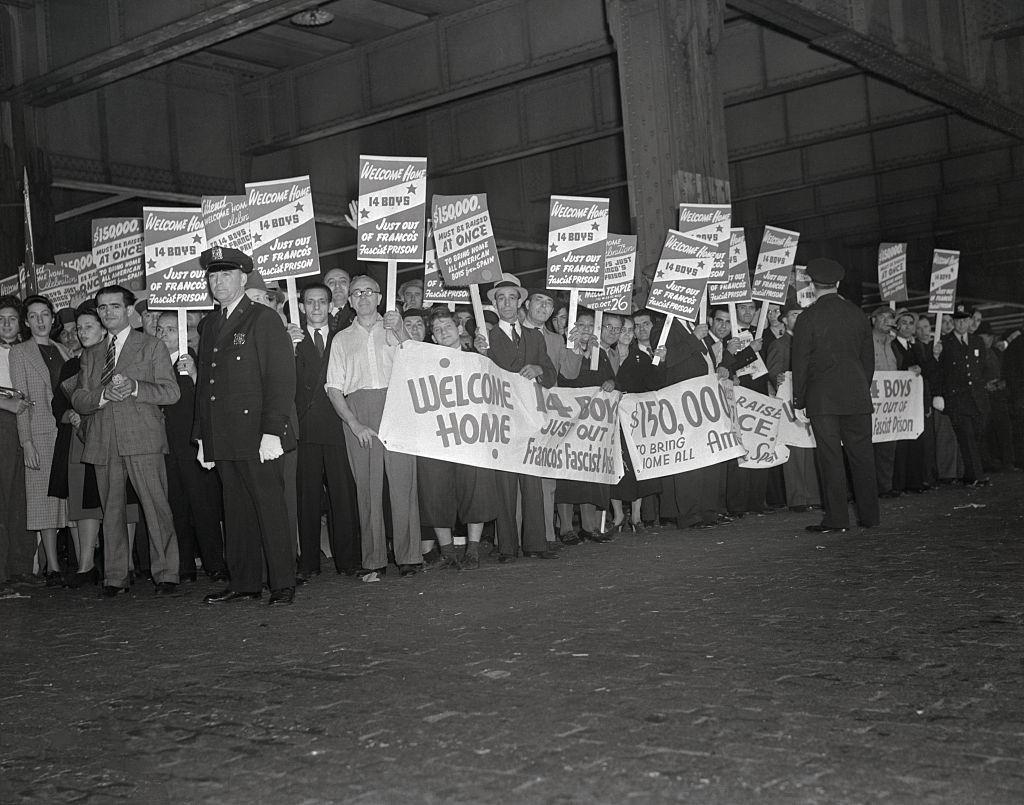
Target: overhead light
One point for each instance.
(313, 18)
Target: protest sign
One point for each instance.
(736, 287)
(709, 223)
(774, 265)
(756, 368)
(942, 291)
(756, 418)
(681, 277)
(464, 240)
(117, 252)
(226, 220)
(619, 266)
(434, 289)
(898, 398)
(892, 272)
(9, 286)
(577, 239)
(794, 430)
(282, 228)
(683, 427)
(804, 287)
(174, 239)
(461, 407)
(69, 280)
(392, 208)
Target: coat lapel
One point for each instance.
(128, 351)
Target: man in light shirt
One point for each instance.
(358, 374)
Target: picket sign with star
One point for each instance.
(774, 270)
(710, 224)
(283, 233)
(392, 212)
(680, 281)
(577, 243)
(736, 287)
(117, 253)
(173, 239)
(435, 290)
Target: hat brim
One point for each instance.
(523, 294)
(225, 266)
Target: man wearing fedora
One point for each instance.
(833, 359)
(245, 421)
(518, 349)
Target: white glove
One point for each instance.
(270, 447)
(206, 465)
(938, 404)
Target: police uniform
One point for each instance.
(961, 384)
(245, 388)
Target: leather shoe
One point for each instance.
(305, 575)
(541, 554)
(820, 528)
(220, 576)
(569, 539)
(166, 588)
(800, 509)
(506, 558)
(109, 591)
(227, 596)
(408, 570)
(286, 595)
(592, 536)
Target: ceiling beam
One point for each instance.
(82, 209)
(829, 34)
(221, 22)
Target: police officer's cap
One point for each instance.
(220, 258)
(962, 312)
(825, 271)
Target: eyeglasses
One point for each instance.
(611, 329)
(361, 292)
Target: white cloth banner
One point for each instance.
(679, 428)
(899, 406)
(794, 430)
(757, 417)
(458, 406)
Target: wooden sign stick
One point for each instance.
(937, 335)
(761, 322)
(478, 310)
(392, 286)
(595, 353)
(574, 303)
(293, 300)
(733, 321)
(655, 361)
(182, 336)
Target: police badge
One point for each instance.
(239, 340)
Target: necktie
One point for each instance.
(109, 361)
(516, 338)
(318, 340)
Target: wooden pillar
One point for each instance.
(673, 115)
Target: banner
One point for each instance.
(392, 208)
(619, 269)
(774, 265)
(681, 277)
(459, 406)
(899, 406)
(174, 239)
(794, 431)
(756, 418)
(803, 286)
(892, 272)
(226, 220)
(117, 252)
(282, 228)
(577, 240)
(709, 223)
(464, 240)
(434, 290)
(683, 427)
(69, 280)
(942, 292)
(736, 287)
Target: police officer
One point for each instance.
(245, 422)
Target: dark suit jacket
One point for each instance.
(833, 358)
(319, 423)
(961, 375)
(532, 350)
(684, 359)
(179, 416)
(245, 385)
(135, 425)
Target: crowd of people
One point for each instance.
(253, 455)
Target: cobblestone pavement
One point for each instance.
(748, 663)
